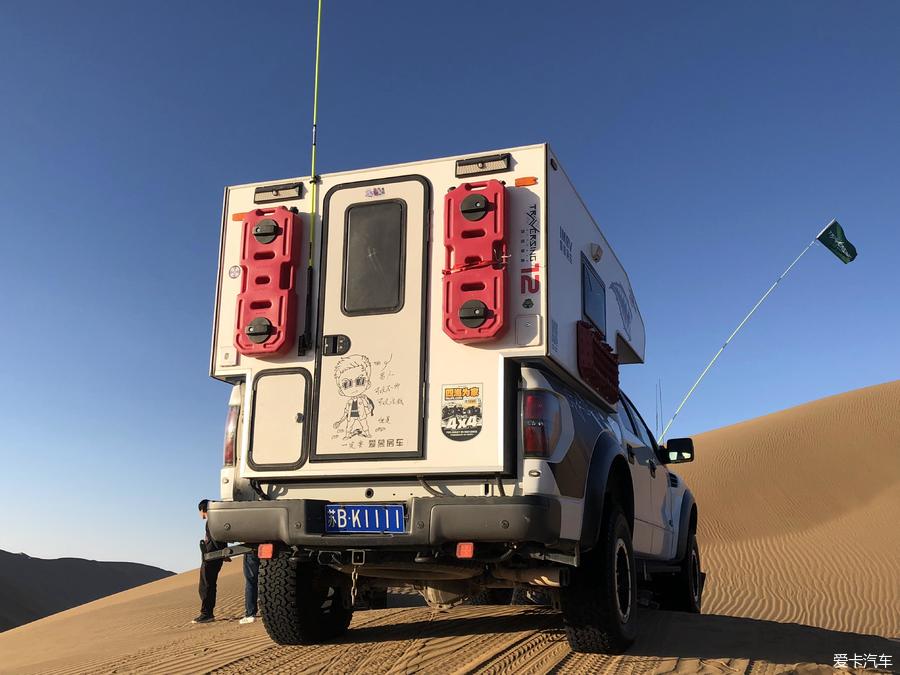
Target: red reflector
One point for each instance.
(534, 405)
(535, 440)
(264, 551)
(465, 549)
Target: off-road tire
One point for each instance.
(298, 603)
(683, 591)
(599, 606)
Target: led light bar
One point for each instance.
(477, 166)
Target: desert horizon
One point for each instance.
(33, 587)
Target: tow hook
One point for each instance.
(357, 558)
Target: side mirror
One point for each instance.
(678, 450)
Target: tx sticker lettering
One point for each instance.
(461, 411)
(529, 237)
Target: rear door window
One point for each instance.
(374, 257)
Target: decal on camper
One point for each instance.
(565, 244)
(529, 238)
(461, 411)
(624, 307)
(371, 393)
(353, 375)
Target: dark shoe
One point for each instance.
(204, 618)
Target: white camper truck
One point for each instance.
(425, 368)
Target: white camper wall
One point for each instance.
(450, 365)
(571, 232)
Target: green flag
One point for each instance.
(835, 240)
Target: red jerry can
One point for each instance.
(271, 248)
(474, 284)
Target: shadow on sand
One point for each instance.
(661, 634)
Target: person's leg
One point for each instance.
(251, 581)
(204, 590)
(209, 577)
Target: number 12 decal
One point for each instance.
(531, 281)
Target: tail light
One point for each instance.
(542, 423)
(231, 424)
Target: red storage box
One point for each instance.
(597, 364)
(271, 251)
(474, 285)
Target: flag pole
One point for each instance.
(730, 337)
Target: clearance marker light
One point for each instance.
(465, 549)
(525, 181)
(264, 552)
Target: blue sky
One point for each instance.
(711, 140)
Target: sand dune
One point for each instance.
(801, 545)
(799, 513)
(32, 588)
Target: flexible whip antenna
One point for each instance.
(314, 178)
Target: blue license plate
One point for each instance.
(378, 518)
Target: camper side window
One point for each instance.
(593, 296)
(374, 258)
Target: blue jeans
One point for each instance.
(251, 578)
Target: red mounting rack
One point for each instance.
(597, 364)
(475, 261)
(272, 244)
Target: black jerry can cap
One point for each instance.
(474, 207)
(473, 313)
(259, 330)
(265, 231)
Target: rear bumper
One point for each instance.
(430, 521)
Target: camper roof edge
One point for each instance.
(400, 165)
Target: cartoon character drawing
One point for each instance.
(353, 375)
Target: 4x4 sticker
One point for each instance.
(461, 411)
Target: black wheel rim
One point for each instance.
(622, 569)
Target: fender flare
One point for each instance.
(684, 519)
(607, 451)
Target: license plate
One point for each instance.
(378, 518)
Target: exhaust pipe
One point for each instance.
(548, 577)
